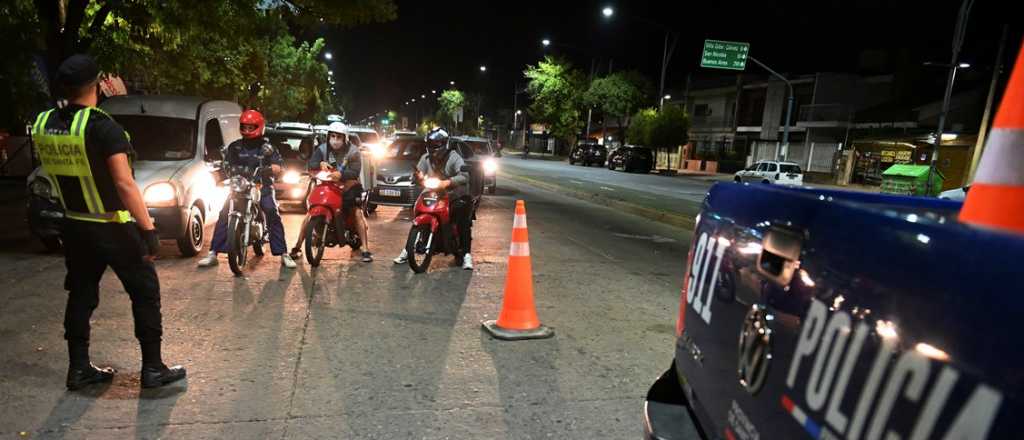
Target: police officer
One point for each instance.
(442, 162)
(340, 155)
(87, 155)
(249, 153)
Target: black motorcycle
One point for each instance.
(247, 224)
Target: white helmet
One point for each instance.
(337, 127)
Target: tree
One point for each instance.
(639, 131)
(216, 48)
(556, 89)
(618, 94)
(671, 127)
(450, 103)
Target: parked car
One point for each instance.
(632, 159)
(483, 150)
(295, 142)
(771, 171)
(588, 153)
(395, 185)
(813, 314)
(176, 140)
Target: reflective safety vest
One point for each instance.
(64, 155)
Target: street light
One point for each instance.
(965, 65)
(424, 96)
(608, 11)
(330, 72)
(328, 56)
(433, 92)
(483, 68)
(546, 42)
(451, 83)
(663, 99)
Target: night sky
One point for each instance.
(431, 43)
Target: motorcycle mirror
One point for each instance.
(267, 150)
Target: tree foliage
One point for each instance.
(556, 89)
(618, 94)
(663, 129)
(215, 48)
(449, 104)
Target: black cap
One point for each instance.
(77, 71)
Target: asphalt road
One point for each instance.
(354, 350)
(676, 194)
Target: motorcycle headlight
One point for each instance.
(160, 194)
(41, 187)
(291, 177)
(432, 183)
(490, 167)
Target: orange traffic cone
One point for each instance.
(518, 317)
(996, 197)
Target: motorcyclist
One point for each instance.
(249, 153)
(340, 155)
(444, 163)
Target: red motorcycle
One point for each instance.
(433, 231)
(327, 227)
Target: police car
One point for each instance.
(838, 315)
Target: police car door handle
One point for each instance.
(780, 255)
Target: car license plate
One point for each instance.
(390, 193)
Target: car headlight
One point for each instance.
(490, 166)
(41, 187)
(160, 194)
(377, 150)
(291, 177)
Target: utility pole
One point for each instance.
(983, 130)
(666, 56)
(789, 107)
(954, 63)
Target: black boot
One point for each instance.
(89, 374)
(160, 375)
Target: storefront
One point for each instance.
(873, 157)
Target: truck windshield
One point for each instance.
(160, 138)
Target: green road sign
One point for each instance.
(724, 55)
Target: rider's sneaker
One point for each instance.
(367, 257)
(287, 261)
(467, 262)
(209, 260)
(296, 253)
(402, 258)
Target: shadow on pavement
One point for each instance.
(528, 385)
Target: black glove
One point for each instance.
(267, 172)
(152, 242)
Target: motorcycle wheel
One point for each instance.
(415, 247)
(316, 240)
(238, 249)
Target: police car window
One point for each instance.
(159, 138)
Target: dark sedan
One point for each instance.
(588, 153)
(395, 186)
(632, 159)
(295, 146)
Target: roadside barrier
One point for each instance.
(518, 318)
(996, 197)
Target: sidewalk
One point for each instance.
(721, 177)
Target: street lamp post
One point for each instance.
(661, 105)
(954, 64)
(789, 108)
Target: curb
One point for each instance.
(668, 218)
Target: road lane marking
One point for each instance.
(591, 249)
(607, 188)
(576, 182)
(654, 238)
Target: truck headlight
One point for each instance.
(490, 167)
(160, 194)
(291, 177)
(41, 187)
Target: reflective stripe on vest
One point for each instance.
(65, 155)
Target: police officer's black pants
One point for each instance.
(89, 249)
(462, 215)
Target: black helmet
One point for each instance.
(436, 140)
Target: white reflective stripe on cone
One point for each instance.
(1002, 162)
(519, 250)
(519, 222)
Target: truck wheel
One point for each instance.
(192, 242)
